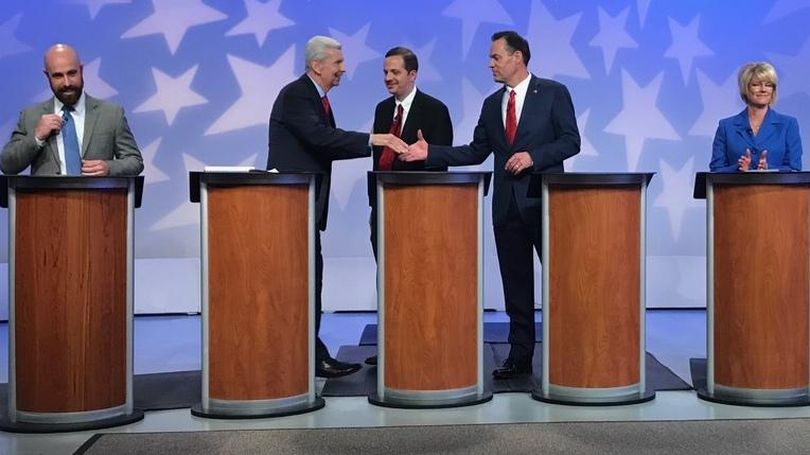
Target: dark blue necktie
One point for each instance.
(73, 154)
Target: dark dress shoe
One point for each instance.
(333, 368)
(512, 369)
(371, 360)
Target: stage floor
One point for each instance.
(172, 343)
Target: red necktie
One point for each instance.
(328, 109)
(388, 155)
(511, 119)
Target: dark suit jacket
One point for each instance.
(779, 135)
(547, 130)
(106, 137)
(426, 113)
(303, 138)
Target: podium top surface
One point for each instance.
(245, 178)
(71, 182)
(703, 179)
(587, 179)
(431, 178)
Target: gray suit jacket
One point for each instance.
(106, 137)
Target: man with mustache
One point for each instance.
(404, 113)
(71, 133)
(304, 138)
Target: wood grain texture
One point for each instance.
(595, 280)
(431, 287)
(761, 281)
(258, 291)
(70, 309)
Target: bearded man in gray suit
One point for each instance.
(71, 133)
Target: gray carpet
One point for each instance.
(673, 437)
(659, 377)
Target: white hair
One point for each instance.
(317, 48)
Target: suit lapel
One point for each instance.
(408, 129)
(530, 105)
(497, 114)
(90, 118)
(743, 128)
(770, 125)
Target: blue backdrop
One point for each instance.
(649, 81)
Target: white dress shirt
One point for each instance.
(520, 96)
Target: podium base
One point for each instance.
(703, 394)
(28, 427)
(375, 399)
(197, 411)
(649, 395)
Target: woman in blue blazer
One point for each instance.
(757, 138)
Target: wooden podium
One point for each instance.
(594, 253)
(758, 287)
(430, 289)
(257, 259)
(70, 302)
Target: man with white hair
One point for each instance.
(304, 138)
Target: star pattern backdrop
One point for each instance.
(198, 78)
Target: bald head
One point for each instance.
(64, 72)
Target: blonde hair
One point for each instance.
(761, 71)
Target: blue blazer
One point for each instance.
(547, 129)
(779, 135)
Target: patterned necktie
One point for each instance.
(73, 154)
(511, 119)
(387, 157)
(327, 107)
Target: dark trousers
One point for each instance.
(515, 241)
(321, 351)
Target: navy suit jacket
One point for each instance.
(779, 135)
(547, 129)
(427, 114)
(303, 138)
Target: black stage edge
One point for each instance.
(197, 411)
(36, 428)
(698, 367)
(648, 395)
(374, 399)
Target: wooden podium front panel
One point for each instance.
(761, 276)
(431, 286)
(71, 295)
(258, 244)
(594, 313)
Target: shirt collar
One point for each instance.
(406, 103)
(321, 93)
(522, 87)
(78, 108)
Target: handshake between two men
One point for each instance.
(418, 151)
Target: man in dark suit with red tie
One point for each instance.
(304, 138)
(405, 112)
(529, 125)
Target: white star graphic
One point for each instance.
(11, 45)
(471, 101)
(172, 94)
(550, 39)
(259, 86)
(675, 196)
(586, 147)
(686, 45)
(354, 46)
(95, 5)
(261, 19)
(427, 71)
(640, 119)
(173, 18)
(793, 71)
(94, 85)
(784, 8)
(490, 11)
(643, 8)
(347, 176)
(719, 101)
(187, 213)
(612, 36)
(151, 173)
